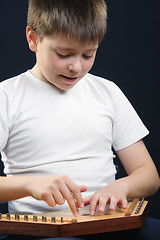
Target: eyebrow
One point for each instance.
(72, 49)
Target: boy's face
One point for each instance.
(61, 61)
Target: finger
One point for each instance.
(59, 199)
(48, 198)
(116, 201)
(82, 188)
(124, 203)
(103, 200)
(93, 204)
(113, 203)
(71, 201)
(70, 192)
(66, 187)
(87, 200)
(75, 190)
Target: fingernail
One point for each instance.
(92, 213)
(81, 205)
(101, 209)
(112, 207)
(76, 214)
(125, 206)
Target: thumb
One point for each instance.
(87, 200)
(82, 188)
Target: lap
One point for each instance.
(150, 230)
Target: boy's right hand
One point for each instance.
(55, 190)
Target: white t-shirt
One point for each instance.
(47, 131)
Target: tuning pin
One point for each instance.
(8, 216)
(35, 218)
(26, 217)
(44, 219)
(17, 217)
(53, 219)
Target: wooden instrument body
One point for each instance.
(85, 224)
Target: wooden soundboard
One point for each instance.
(64, 224)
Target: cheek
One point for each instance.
(88, 65)
(57, 64)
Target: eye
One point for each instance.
(63, 55)
(87, 56)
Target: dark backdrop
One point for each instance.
(129, 56)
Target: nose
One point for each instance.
(75, 65)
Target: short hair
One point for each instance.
(82, 20)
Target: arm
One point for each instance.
(142, 180)
(52, 190)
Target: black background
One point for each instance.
(129, 56)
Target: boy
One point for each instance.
(58, 123)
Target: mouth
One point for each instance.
(69, 79)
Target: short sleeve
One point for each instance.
(127, 125)
(3, 120)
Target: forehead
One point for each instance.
(62, 42)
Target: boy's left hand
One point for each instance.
(115, 194)
(142, 180)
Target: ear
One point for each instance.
(31, 39)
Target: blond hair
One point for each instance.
(82, 20)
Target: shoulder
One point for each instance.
(13, 86)
(12, 83)
(98, 81)
(103, 86)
